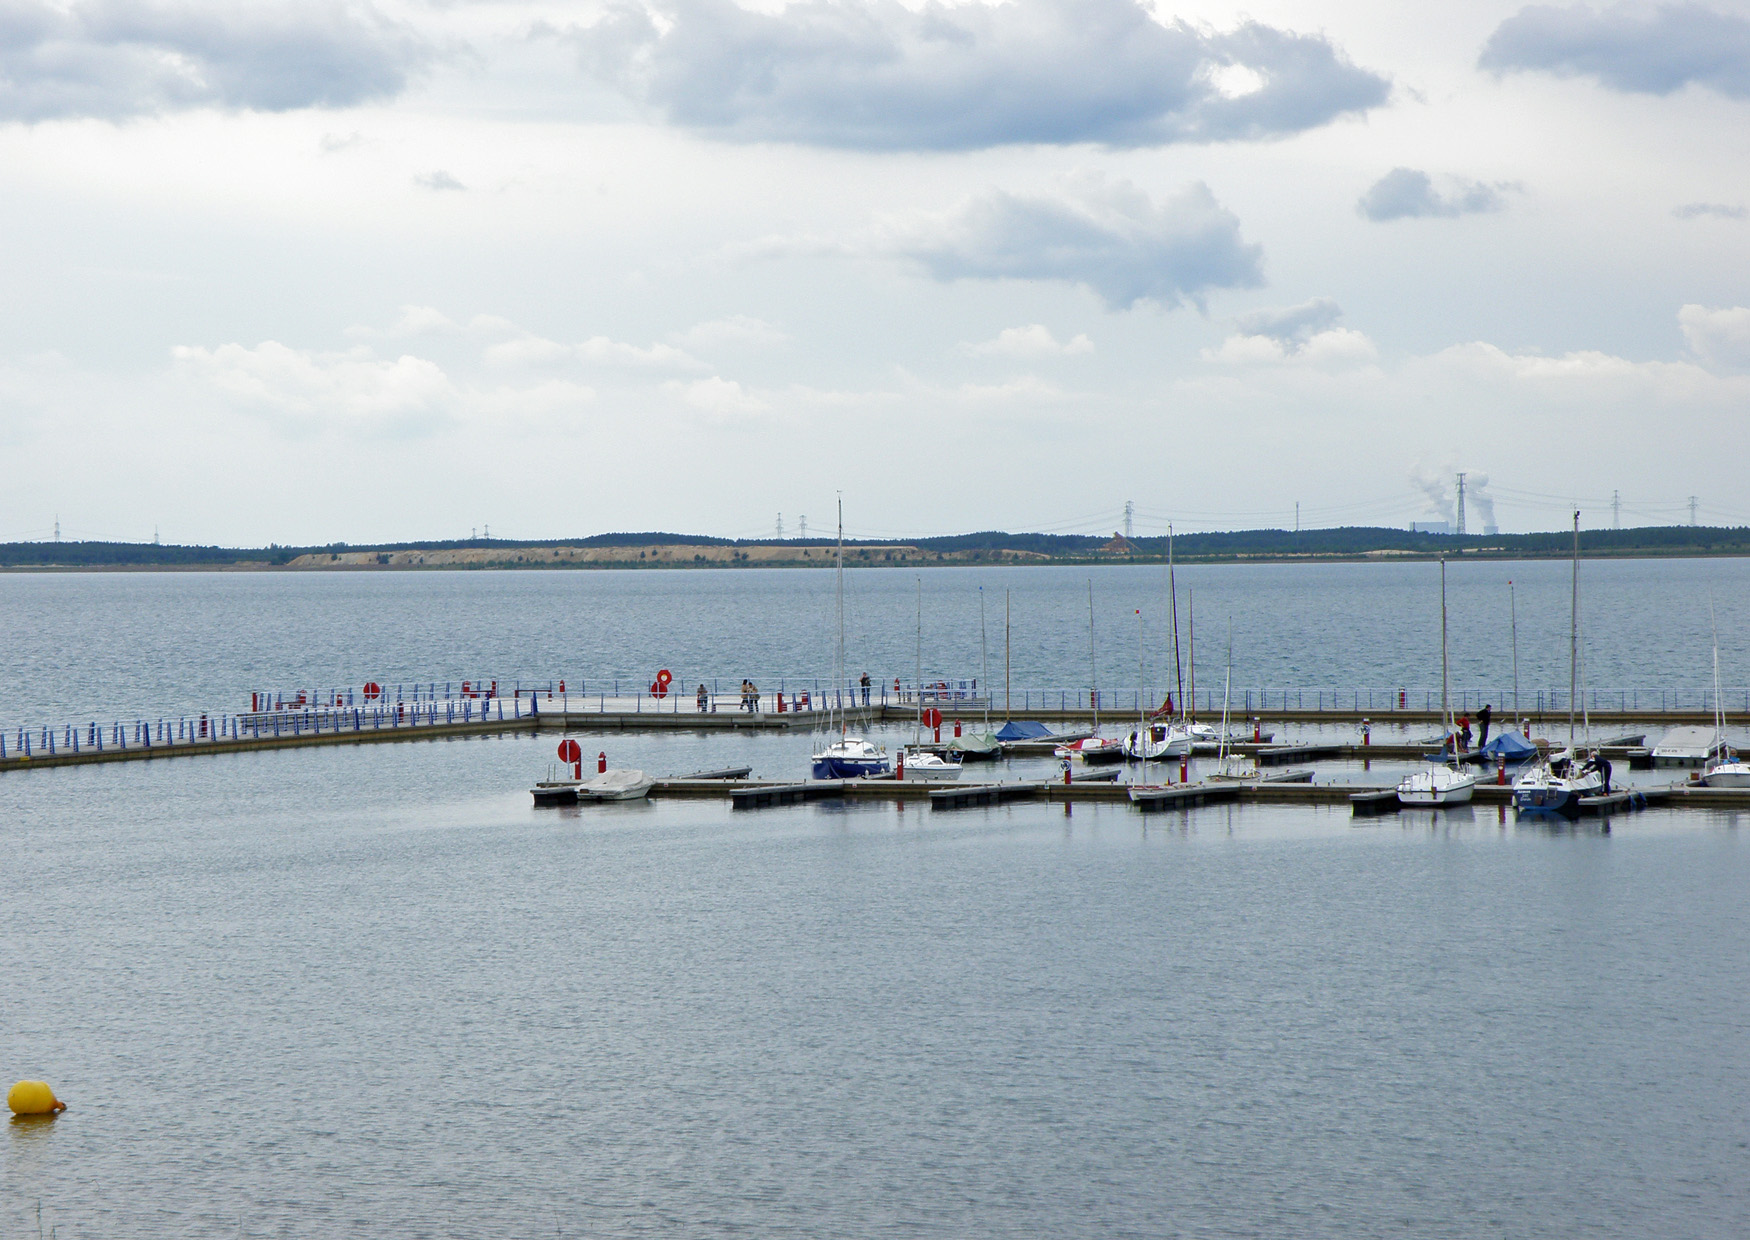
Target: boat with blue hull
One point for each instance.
(1556, 784)
(850, 758)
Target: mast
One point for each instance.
(1142, 737)
(1719, 710)
(1574, 630)
(1191, 652)
(1226, 696)
(1005, 654)
(984, 658)
(1513, 610)
(1173, 589)
(840, 669)
(1445, 712)
(1093, 672)
(918, 683)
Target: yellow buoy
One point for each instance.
(33, 1098)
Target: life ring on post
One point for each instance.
(664, 679)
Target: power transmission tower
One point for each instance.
(780, 527)
(1691, 510)
(1616, 510)
(1460, 529)
(1129, 517)
(58, 526)
(802, 523)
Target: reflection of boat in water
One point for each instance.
(922, 766)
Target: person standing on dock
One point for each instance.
(1598, 762)
(704, 700)
(865, 683)
(1484, 716)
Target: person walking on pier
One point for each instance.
(704, 700)
(1484, 716)
(865, 683)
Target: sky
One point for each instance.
(329, 271)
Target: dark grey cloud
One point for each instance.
(1408, 193)
(1291, 326)
(881, 76)
(117, 58)
(1108, 236)
(1715, 210)
(1648, 49)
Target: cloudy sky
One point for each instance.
(317, 271)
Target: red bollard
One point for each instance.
(601, 761)
(203, 725)
(900, 772)
(1257, 730)
(1066, 777)
(780, 703)
(1501, 769)
(1184, 770)
(493, 692)
(561, 687)
(1403, 698)
(938, 734)
(956, 727)
(1367, 731)
(254, 703)
(577, 770)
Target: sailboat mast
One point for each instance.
(984, 658)
(1445, 712)
(839, 671)
(1719, 710)
(1191, 653)
(1173, 589)
(1574, 634)
(1513, 611)
(918, 681)
(1142, 737)
(1227, 688)
(1005, 654)
(1093, 672)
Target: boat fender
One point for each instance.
(33, 1098)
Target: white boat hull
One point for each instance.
(928, 768)
(1438, 786)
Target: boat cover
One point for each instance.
(1509, 745)
(1023, 730)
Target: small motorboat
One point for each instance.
(615, 785)
(977, 747)
(1438, 785)
(922, 766)
(1093, 750)
(1730, 771)
(850, 757)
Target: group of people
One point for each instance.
(750, 697)
(1485, 717)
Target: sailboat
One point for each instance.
(1441, 783)
(849, 757)
(1556, 786)
(980, 746)
(1727, 770)
(1231, 766)
(1170, 738)
(1095, 749)
(917, 764)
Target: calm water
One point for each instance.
(371, 991)
(83, 646)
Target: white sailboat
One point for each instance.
(1556, 785)
(1231, 766)
(917, 764)
(849, 757)
(1727, 770)
(1442, 783)
(1096, 749)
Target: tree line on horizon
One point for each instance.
(1231, 544)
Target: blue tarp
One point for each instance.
(1023, 730)
(1509, 745)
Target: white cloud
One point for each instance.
(1720, 338)
(737, 330)
(883, 75)
(717, 396)
(1034, 340)
(1306, 333)
(354, 386)
(1106, 235)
